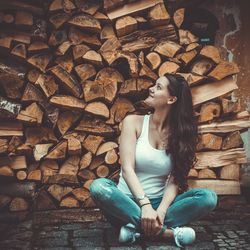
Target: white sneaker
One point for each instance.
(183, 236)
(128, 233)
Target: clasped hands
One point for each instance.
(152, 220)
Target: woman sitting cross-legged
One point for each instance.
(157, 150)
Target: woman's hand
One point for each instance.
(150, 221)
(161, 213)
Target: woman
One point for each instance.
(156, 151)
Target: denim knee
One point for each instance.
(99, 188)
(209, 198)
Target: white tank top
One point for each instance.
(152, 166)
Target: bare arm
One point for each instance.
(127, 157)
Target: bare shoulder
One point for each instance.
(135, 121)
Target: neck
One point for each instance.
(160, 119)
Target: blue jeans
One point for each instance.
(119, 209)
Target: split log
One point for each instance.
(206, 174)
(70, 166)
(40, 61)
(81, 194)
(168, 67)
(47, 84)
(105, 147)
(167, 48)
(92, 142)
(233, 140)
(202, 66)
(158, 15)
(153, 60)
(229, 106)
(69, 202)
(230, 172)
(32, 114)
(193, 173)
(35, 175)
(125, 25)
(209, 141)
(74, 146)
(209, 111)
(85, 71)
(86, 174)
(57, 152)
(179, 17)
(40, 150)
(6, 171)
(98, 109)
(186, 37)
(211, 52)
(85, 160)
(18, 204)
(58, 191)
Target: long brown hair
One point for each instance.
(183, 130)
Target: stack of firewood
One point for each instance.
(71, 70)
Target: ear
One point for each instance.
(172, 100)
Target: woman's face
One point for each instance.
(159, 95)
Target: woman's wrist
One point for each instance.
(145, 200)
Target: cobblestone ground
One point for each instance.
(227, 227)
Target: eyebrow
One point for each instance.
(159, 83)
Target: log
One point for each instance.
(179, 17)
(18, 204)
(57, 152)
(69, 202)
(85, 160)
(209, 141)
(81, 194)
(21, 175)
(209, 111)
(35, 175)
(230, 172)
(153, 60)
(111, 157)
(158, 15)
(92, 142)
(167, 48)
(125, 25)
(232, 140)
(40, 150)
(58, 191)
(102, 171)
(206, 174)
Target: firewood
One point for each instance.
(225, 126)
(230, 172)
(85, 160)
(24, 18)
(87, 184)
(206, 174)
(187, 57)
(167, 48)
(9, 109)
(48, 168)
(96, 162)
(186, 37)
(63, 179)
(158, 15)
(57, 37)
(39, 30)
(67, 80)
(43, 201)
(233, 140)
(86, 174)
(68, 102)
(102, 171)
(79, 50)
(6, 171)
(35, 175)
(193, 173)
(209, 141)
(233, 187)
(146, 71)
(40, 61)
(58, 191)
(47, 84)
(59, 19)
(74, 146)
(5, 42)
(63, 48)
(21, 175)
(32, 114)
(18, 204)
(11, 129)
(107, 32)
(33, 75)
(39, 135)
(211, 52)
(127, 9)
(242, 115)
(58, 152)
(220, 158)
(106, 146)
(70, 166)
(65, 62)
(3, 145)
(92, 143)
(81, 194)
(8, 18)
(40, 150)
(14, 162)
(168, 67)
(192, 46)
(209, 111)
(65, 5)
(24, 149)
(38, 47)
(125, 25)
(69, 202)
(98, 109)
(94, 125)
(153, 60)
(19, 50)
(85, 71)
(89, 7)
(87, 22)
(101, 17)
(208, 91)
(179, 17)
(93, 57)
(134, 86)
(119, 110)
(202, 67)
(230, 106)
(224, 69)
(111, 157)
(76, 37)
(4, 201)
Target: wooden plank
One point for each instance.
(220, 158)
(213, 90)
(221, 187)
(225, 126)
(132, 8)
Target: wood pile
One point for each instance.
(70, 71)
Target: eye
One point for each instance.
(158, 86)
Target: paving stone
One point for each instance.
(52, 248)
(51, 242)
(22, 236)
(99, 224)
(88, 233)
(201, 245)
(128, 248)
(163, 247)
(12, 244)
(48, 227)
(87, 242)
(73, 226)
(53, 234)
(89, 248)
